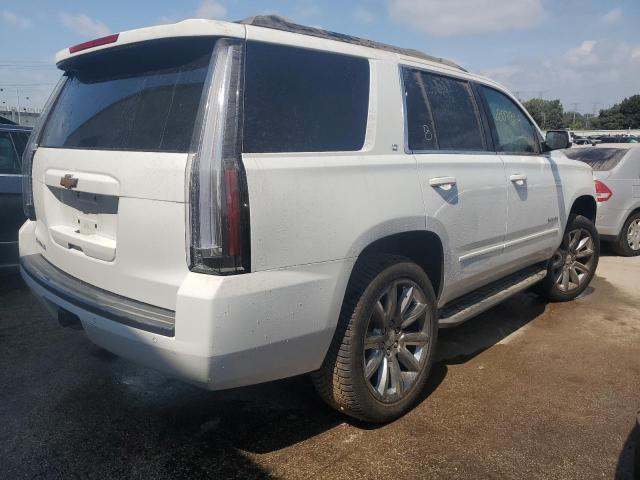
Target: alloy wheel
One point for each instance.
(574, 261)
(397, 341)
(633, 235)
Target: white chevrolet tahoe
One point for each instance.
(232, 203)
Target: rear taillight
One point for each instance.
(94, 43)
(30, 151)
(602, 191)
(218, 201)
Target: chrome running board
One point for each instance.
(468, 306)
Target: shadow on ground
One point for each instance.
(629, 461)
(69, 408)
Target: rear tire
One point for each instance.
(628, 243)
(381, 354)
(574, 264)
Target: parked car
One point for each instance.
(616, 169)
(13, 139)
(233, 203)
(619, 139)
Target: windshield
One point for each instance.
(139, 97)
(600, 159)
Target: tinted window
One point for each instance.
(8, 158)
(420, 131)
(441, 113)
(299, 100)
(20, 140)
(513, 131)
(600, 159)
(141, 97)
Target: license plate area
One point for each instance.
(83, 222)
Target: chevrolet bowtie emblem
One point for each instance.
(68, 181)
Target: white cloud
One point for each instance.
(11, 18)
(465, 17)
(593, 72)
(612, 17)
(501, 74)
(84, 25)
(362, 15)
(582, 55)
(211, 9)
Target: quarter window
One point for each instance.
(441, 113)
(513, 131)
(299, 100)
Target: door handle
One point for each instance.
(518, 178)
(443, 182)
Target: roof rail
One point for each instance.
(280, 23)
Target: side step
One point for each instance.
(462, 309)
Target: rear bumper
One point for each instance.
(36, 270)
(227, 331)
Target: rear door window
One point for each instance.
(512, 130)
(20, 140)
(138, 97)
(441, 113)
(299, 100)
(9, 164)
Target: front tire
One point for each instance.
(628, 244)
(574, 264)
(382, 351)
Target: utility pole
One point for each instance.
(575, 108)
(18, 99)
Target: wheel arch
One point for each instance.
(423, 247)
(586, 206)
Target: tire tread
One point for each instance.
(334, 380)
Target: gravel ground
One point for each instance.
(526, 390)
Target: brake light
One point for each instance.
(233, 211)
(603, 193)
(219, 207)
(94, 43)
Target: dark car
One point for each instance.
(13, 140)
(620, 139)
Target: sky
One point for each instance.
(584, 52)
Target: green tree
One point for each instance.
(574, 120)
(625, 114)
(548, 114)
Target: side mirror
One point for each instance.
(557, 140)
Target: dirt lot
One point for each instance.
(527, 390)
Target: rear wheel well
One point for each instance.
(585, 206)
(633, 212)
(422, 247)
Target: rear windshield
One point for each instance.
(140, 97)
(600, 159)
